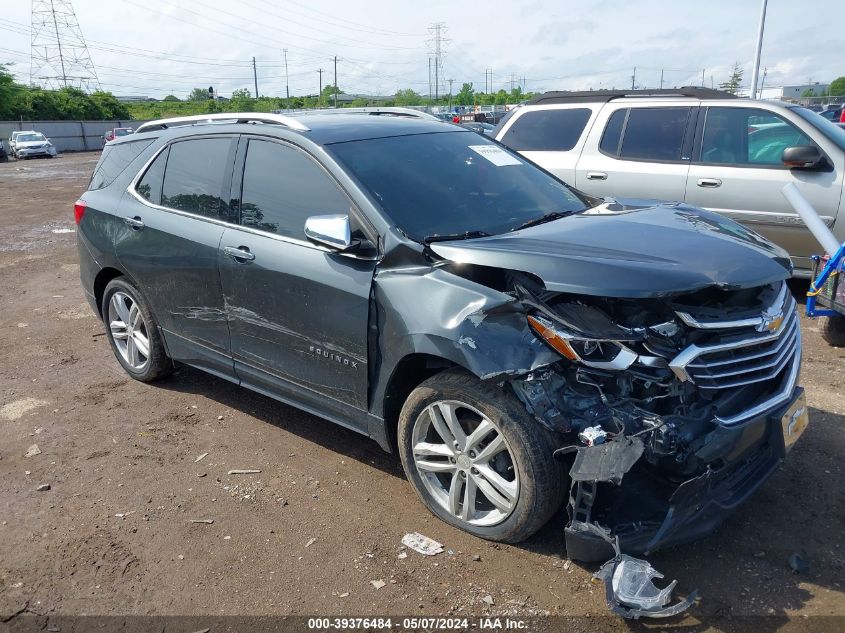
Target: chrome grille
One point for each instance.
(737, 361)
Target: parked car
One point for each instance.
(832, 114)
(476, 329)
(31, 144)
(695, 145)
(12, 138)
(116, 132)
(4, 156)
(396, 111)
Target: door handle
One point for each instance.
(709, 182)
(596, 175)
(240, 253)
(136, 223)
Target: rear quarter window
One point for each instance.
(547, 130)
(114, 160)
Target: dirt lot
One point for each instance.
(324, 518)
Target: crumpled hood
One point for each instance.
(631, 248)
(25, 144)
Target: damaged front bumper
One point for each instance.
(612, 488)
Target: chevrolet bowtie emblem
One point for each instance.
(770, 322)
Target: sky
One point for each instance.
(162, 47)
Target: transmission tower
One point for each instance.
(59, 57)
(438, 30)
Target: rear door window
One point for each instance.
(547, 130)
(283, 187)
(654, 134)
(195, 177)
(114, 160)
(747, 137)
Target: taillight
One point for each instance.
(842, 116)
(79, 210)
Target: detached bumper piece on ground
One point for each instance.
(629, 589)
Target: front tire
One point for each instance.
(133, 332)
(477, 459)
(833, 331)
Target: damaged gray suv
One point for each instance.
(518, 343)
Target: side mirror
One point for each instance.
(329, 230)
(803, 157)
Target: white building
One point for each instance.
(786, 92)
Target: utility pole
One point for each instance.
(450, 93)
(335, 81)
(756, 71)
(634, 79)
(523, 84)
(763, 81)
(661, 79)
(287, 83)
(320, 94)
(255, 77)
(702, 77)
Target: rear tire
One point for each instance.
(499, 453)
(833, 331)
(133, 333)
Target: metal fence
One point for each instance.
(67, 136)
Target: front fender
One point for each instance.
(434, 312)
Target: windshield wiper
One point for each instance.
(466, 235)
(549, 217)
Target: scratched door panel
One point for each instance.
(299, 314)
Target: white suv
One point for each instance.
(700, 146)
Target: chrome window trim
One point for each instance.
(132, 191)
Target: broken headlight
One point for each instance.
(597, 353)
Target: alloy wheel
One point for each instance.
(465, 463)
(129, 330)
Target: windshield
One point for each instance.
(830, 130)
(454, 183)
(25, 138)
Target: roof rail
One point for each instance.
(224, 117)
(695, 92)
(373, 110)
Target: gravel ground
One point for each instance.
(135, 523)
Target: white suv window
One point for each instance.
(747, 137)
(547, 130)
(646, 134)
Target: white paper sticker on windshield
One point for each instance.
(495, 155)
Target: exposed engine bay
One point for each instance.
(653, 402)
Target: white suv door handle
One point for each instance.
(596, 175)
(709, 182)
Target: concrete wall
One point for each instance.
(67, 136)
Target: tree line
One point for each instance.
(20, 102)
